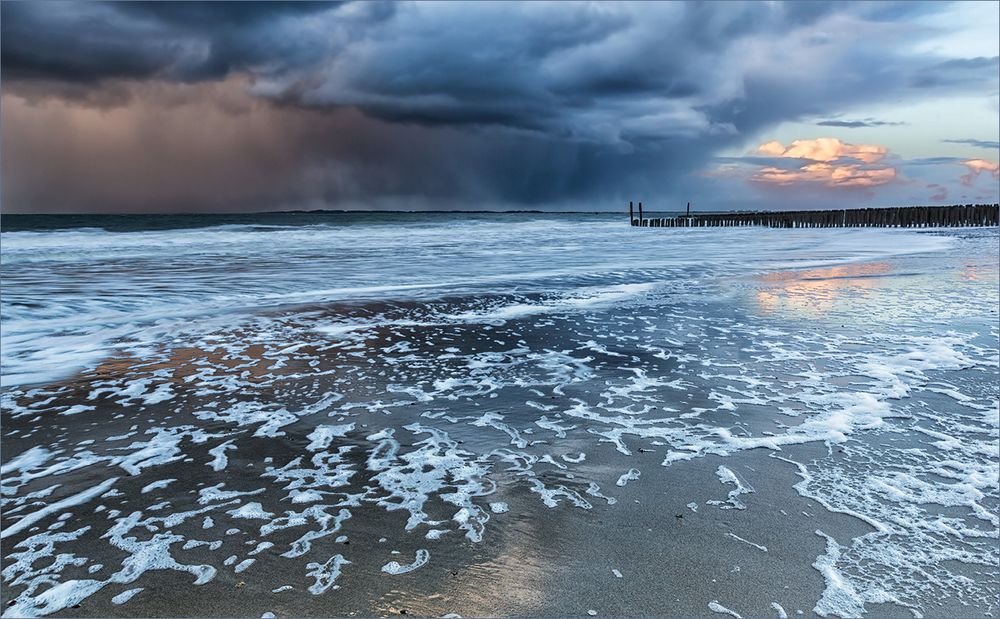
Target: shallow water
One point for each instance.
(243, 401)
(74, 295)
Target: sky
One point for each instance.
(254, 106)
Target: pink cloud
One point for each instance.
(940, 194)
(824, 149)
(831, 163)
(976, 167)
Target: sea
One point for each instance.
(374, 414)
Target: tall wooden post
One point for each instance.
(689, 209)
(631, 216)
(640, 213)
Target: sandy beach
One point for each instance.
(811, 434)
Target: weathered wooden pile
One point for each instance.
(968, 215)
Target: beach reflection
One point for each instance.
(816, 292)
(511, 577)
(971, 272)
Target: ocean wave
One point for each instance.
(74, 293)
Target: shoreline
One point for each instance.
(430, 417)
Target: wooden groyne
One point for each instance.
(959, 216)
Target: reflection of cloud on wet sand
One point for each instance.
(509, 575)
(814, 292)
(974, 272)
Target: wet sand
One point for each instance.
(502, 445)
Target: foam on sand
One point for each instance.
(432, 399)
(726, 476)
(80, 498)
(394, 568)
(715, 607)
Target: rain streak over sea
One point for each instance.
(334, 414)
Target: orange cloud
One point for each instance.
(977, 166)
(824, 149)
(832, 163)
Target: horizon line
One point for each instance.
(472, 212)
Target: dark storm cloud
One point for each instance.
(959, 72)
(212, 15)
(187, 41)
(479, 103)
(195, 155)
(857, 124)
(988, 144)
(676, 69)
(782, 163)
(79, 43)
(932, 161)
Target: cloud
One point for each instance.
(958, 72)
(931, 161)
(940, 192)
(824, 149)
(596, 72)
(978, 166)
(856, 124)
(433, 103)
(90, 42)
(211, 146)
(988, 144)
(828, 162)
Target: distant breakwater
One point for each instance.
(958, 216)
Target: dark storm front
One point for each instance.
(327, 419)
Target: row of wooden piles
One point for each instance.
(969, 215)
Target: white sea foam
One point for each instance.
(220, 460)
(727, 476)
(156, 485)
(614, 358)
(715, 607)
(80, 498)
(839, 597)
(76, 329)
(323, 435)
(748, 542)
(395, 568)
(125, 596)
(630, 475)
(409, 478)
(251, 511)
(31, 459)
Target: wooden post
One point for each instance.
(959, 215)
(631, 215)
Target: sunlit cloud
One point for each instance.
(976, 167)
(826, 161)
